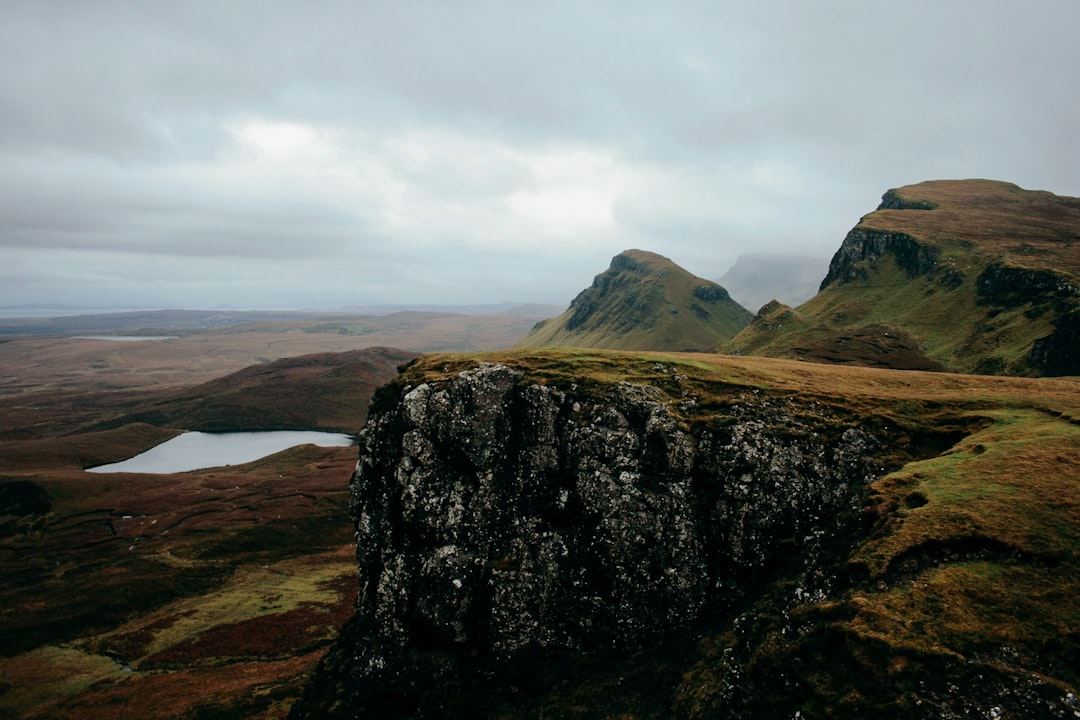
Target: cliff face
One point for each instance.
(862, 247)
(497, 517)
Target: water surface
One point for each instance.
(197, 450)
(125, 338)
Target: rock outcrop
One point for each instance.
(862, 247)
(497, 516)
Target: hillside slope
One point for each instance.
(320, 391)
(644, 301)
(974, 276)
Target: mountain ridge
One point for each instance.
(982, 277)
(643, 301)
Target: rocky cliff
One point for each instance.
(511, 515)
(520, 521)
(863, 248)
(498, 516)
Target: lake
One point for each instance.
(126, 338)
(197, 450)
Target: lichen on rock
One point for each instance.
(498, 515)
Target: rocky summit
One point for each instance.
(593, 534)
(963, 275)
(644, 301)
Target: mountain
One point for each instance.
(644, 301)
(757, 279)
(587, 534)
(973, 276)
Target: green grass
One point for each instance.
(950, 326)
(1016, 482)
(39, 678)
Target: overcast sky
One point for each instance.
(274, 154)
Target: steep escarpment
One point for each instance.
(978, 276)
(863, 248)
(499, 516)
(644, 301)
(583, 523)
(534, 530)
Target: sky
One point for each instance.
(322, 154)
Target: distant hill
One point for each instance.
(757, 279)
(529, 311)
(644, 301)
(145, 322)
(322, 391)
(974, 276)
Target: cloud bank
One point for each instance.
(327, 154)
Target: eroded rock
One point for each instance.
(497, 516)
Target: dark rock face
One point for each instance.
(861, 244)
(638, 305)
(1010, 286)
(1059, 352)
(711, 293)
(892, 200)
(496, 517)
(1041, 290)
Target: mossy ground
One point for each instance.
(131, 590)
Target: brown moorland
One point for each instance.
(210, 593)
(215, 593)
(123, 589)
(995, 216)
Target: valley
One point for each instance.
(123, 591)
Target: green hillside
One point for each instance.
(972, 276)
(644, 301)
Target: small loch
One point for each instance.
(126, 338)
(198, 450)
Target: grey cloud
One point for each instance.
(118, 119)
